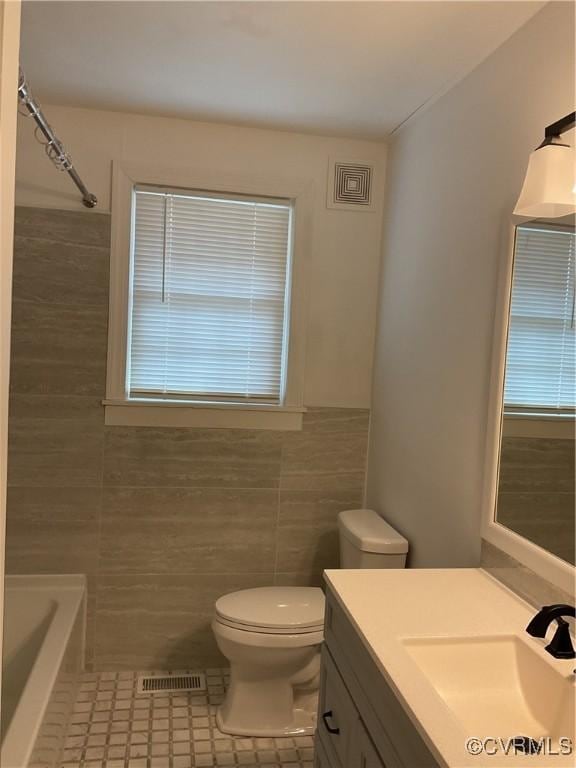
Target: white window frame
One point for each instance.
(545, 413)
(543, 563)
(120, 410)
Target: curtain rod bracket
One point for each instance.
(90, 201)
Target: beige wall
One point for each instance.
(9, 45)
(345, 248)
(163, 521)
(455, 171)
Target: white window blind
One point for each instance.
(540, 360)
(209, 297)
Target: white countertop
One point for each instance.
(387, 606)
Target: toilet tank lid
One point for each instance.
(371, 533)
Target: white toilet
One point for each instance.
(271, 636)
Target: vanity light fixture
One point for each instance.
(549, 189)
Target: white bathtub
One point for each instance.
(43, 654)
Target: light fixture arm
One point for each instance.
(555, 130)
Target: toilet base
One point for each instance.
(303, 724)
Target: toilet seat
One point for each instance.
(265, 639)
(273, 610)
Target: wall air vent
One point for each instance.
(350, 186)
(194, 681)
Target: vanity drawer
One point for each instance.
(393, 733)
(337, 715)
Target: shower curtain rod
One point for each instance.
(53, 146)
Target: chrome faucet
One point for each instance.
(561, 644)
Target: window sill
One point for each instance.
(147, 413)
(544, 415)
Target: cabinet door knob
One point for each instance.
(326, 717)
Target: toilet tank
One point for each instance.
(368, 541)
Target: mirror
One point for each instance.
(535, 496)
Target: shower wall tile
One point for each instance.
(63, 451)
(207, 458)
(159, 621)
(163, 521)
(76, 227)
(544, 518)
(536, 491)
(336, 420)
(318, 462)
(542, 508)
(299, 579)
(58, 407)
(307, 528)
(60, 273)
(58, 349)
(537, 464)
(52, 530)
(188, 530)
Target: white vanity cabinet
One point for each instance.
(361, 724)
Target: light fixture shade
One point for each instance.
(549, 187)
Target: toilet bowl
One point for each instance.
(271, 636)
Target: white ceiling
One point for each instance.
(345, 68)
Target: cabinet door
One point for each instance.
(320, 756)
(390, 728)
(337, 716)
(365, 755)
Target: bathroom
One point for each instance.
(369, 443)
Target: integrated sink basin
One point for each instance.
(498, 685)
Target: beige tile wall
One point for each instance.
(163, 521)
(536, 491)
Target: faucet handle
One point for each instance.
(561, 644)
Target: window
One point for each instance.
(207, 322)
(209, 298)
(540, 373)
